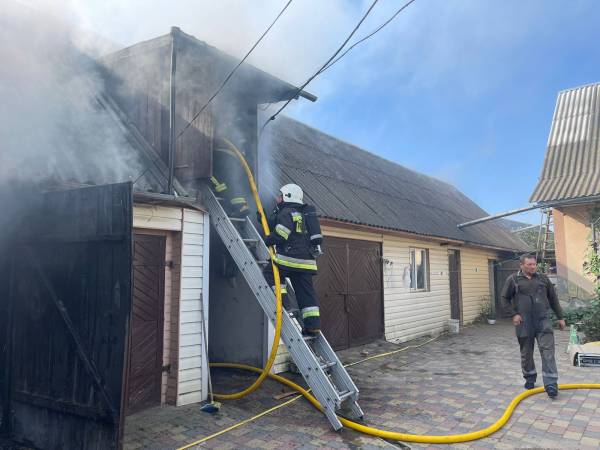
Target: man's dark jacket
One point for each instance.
(531, 299)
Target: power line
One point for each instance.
(316, 74)
(379, 28)
(234, 70)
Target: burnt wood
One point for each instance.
(70, 297)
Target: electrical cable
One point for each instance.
(316, 74)
(379, 28)
(234, 70)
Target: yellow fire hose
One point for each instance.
(267, 369)
(390, 435)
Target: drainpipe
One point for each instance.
(172, 93)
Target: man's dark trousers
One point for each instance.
(527, 334)
(305, 293)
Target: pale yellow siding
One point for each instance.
(192, 363)
(409, 314)
(475, 280)
(157, 217)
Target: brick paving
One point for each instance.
(456, 384)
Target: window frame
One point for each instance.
(412, 252)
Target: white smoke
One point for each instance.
(51, 124)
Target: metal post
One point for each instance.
(172, 93)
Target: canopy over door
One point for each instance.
(69, 301)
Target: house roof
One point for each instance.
(264, 86)
(349, 184)
(572, 164)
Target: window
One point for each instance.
(419, 273)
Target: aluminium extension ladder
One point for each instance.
(314, 357)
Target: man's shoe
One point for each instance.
(529, 384)
(552, 390)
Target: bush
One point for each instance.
(573, 316)
(486, 311)
(591, 322)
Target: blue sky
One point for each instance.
(463, 90)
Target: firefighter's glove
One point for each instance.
(316, 251)
(270, 240)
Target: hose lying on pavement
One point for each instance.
(407, 437)
(391, 435)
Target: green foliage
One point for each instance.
(591, 322)
(573, 316)
(485, 310)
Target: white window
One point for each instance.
(419, 273)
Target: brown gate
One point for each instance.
(455, 284)
(350, 290)
(145, 370)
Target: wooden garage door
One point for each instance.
(145, 371)
(350, 290)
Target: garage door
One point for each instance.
(350, 289)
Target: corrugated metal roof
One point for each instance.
(350, 184)
(572, 163)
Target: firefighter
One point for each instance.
(296, 235)
(228, 182)
(528, 295)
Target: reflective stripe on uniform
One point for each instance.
(219, 187)
(238, 201)
(282, 231)
(296, 263)
(283, 289)
(297, 218)
(316, 236)
(311, 311)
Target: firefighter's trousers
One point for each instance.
(544, 335)
(307, 299)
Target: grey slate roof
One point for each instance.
(349, 184)
(572, 164)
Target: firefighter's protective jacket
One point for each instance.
(292, 238)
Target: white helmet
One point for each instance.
(292, 193)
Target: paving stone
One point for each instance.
(452, 385)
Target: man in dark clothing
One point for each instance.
(297, 238)
(528, 295)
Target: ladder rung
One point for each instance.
(219, 198)
(345, 394)
(250, 241)
(237, 219)
(328, 365)
(262, 263)
(309, 337)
